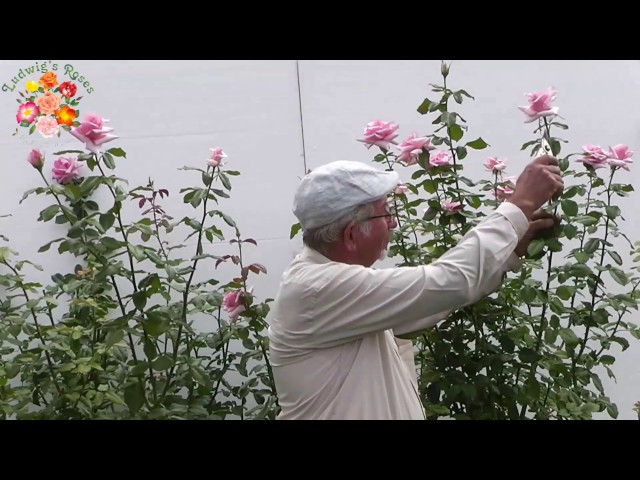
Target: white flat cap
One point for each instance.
(333, 190)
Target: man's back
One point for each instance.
(322, 376)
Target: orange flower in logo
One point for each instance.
(48, 80)
(65, 115)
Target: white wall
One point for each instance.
(169, 113)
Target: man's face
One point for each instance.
(373, 247)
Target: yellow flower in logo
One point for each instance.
(32, 86)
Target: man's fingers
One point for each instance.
(554, 169)
(546, 160)
(541, 224)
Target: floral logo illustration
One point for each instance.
(47, 107)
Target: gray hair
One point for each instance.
(322, 238)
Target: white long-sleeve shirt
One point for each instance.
(333, 326)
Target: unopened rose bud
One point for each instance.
(444, 69)
(36, 158)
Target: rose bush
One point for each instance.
(113, 336)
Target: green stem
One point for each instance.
(594, 291)
(38, 332)
(185, 295)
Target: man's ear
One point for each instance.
(349, 237)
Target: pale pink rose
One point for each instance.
(620, 156)
(594, 155)
(36, 158)
(216, 156)
(48, 103)
(440, 158)
(412, 147)
(233, 303)
(65, 169)
(540, 105)
(451, 207)
(401, 190)
(495, 165)
(47, 126)
(379, 133)
(93, 132)
(505, 190)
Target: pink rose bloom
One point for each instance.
(232, 303)
(620, 156)
(495, 165)
(93, 132)
(594, 156)
(505, 190)
(27, 111)
(379, 133)
(216, 157)
(540, 105)
(47, 126)
(36, 158)
(65, 169)
(401, 190)
(440, 158)
(412, 147)
(451, 207)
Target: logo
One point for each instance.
(48, 98)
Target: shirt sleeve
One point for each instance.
(357, 301)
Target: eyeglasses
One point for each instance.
(388, 215)
(379, 216)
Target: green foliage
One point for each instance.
(535, 348)
(114, 336)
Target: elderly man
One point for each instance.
(335, 321)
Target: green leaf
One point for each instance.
(73, 192)
(157, 322)
(113, 337)
(592, 245)
(46, 247)
(457, 97)
(295, 228)
(564, 292)
(48, 213)
(555, 147)
(134, 397)
(109, 161)
(535, 247)
(619, 276)
(607, 360)
(228, 220)
(612, 211)
(110, 243)
(140, 299)
(586, 220)
(117, 152)
(424, 106)
(430, 186)
(569, 207)
(615, 256)
(461, 152)
(528, 355)
(456, 133)
(478, 144)
(582, 257)
(163, 362)
(528, 294)
(225, 181)
(150, 349)
(106, 220)
(569, 337)
(570, 231)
